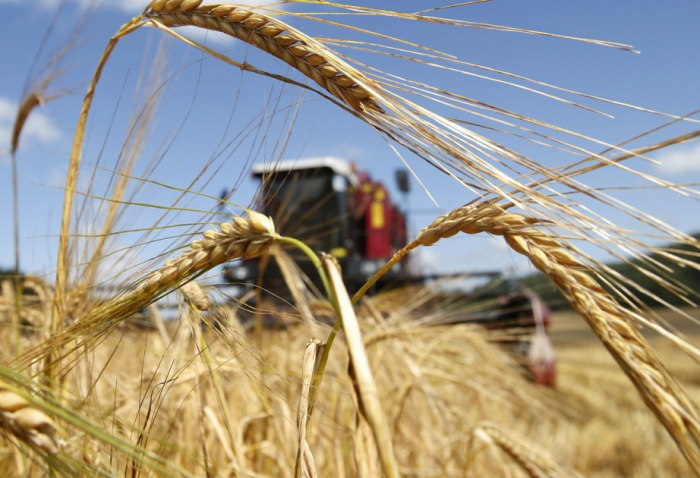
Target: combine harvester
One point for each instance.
(331, 207)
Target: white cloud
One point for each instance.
(5, 132)
(136, 6)
(8, 110)
(424, 261)
(130, 6)
(679, 160)
(38, 128)
(39, 3)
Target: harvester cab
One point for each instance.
(331, 207)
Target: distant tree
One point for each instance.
(6, 273)
(689, 276)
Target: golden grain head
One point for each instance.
(604, 315)
(26, 422)
(194, 296)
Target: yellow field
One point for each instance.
(615, 425)
(86, 390)
(224, 402)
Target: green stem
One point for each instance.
(331, 297)
(17, 318)
(397, 257)
(314, 259)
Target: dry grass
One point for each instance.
(614, 434)
(20, 418)
(439, 385)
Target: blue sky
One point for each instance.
(207, 106)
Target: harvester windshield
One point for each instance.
(307, 203)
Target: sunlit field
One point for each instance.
(215, 288)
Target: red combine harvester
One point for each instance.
(332, 207)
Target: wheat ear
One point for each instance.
(274, 37)
(26, 422)
(242, 238)
(305, 466)
(608, 320)
(444, 226)
(195, 296)
(534, 460)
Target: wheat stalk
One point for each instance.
(369, 407)
(299, 51)
(139, 128)
(294, 279)
(26, 422)
(608, 320)
(305, 466)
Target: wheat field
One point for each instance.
(96, 381)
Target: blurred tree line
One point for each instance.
(11, 275)
(688, 275)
